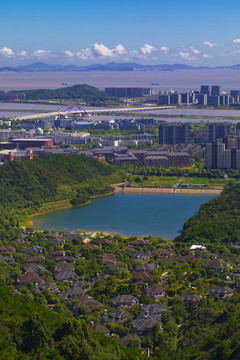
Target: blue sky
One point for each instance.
(204, 32)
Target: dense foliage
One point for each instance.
(217, 221)
(29, 330)
(53, 178)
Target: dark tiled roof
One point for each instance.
(145, 323)
(65, 275)
(126, 340)
(140, 255)
(191, 297)
(72, 293)
(220, 290)
(122, 300)
(215, 263)
(142, 276)
(33, 259)
(100, 328)
(155, 288)
(145, 267)
(30, 277)
(88, 301)
(140, 242)
(120, 313)
(63, 267)
(154, 309)
(35, 268)
(69, 259)
(7, 249)
(50, 287)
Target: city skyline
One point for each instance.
(82, 32)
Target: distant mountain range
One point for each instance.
(39, 66)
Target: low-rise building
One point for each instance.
(190, 298)
(126, 300)
(156, 291)
(215, 265)
(220, 291)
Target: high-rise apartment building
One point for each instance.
(202, 99)
(175, 99)
(185, 98)
(220, 156)
(213, 100)
(205, 89)
(174, 134)
(217, 131)
(164, 99)
(216, 90)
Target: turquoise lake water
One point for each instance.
(127, 214)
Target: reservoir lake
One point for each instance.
(127, 214)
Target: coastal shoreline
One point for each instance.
(166, 190)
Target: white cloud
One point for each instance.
(209, 44)
(85, 54)
(186, 56)
(70, 54)
(22, 53)
(40, 54)
(195, 51)
(119, 49)
(147, 49)
(236, 41)
(164, 48)
(6, 52)
(100, 50)
(206, 56)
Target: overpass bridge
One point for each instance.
(74, 110)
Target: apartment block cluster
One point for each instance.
(223, 150)
(207, 96)
(128, 92)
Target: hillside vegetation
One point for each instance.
(217, 221)
(83, 92)
(53, 178)
(29, 330)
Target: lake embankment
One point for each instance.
(126, 189)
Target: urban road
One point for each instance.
(85, 112)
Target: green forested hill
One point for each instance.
(217, 221)
(84, 92)
(52, 178)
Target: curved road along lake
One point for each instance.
(127, 214)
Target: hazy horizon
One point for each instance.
(177, 80)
